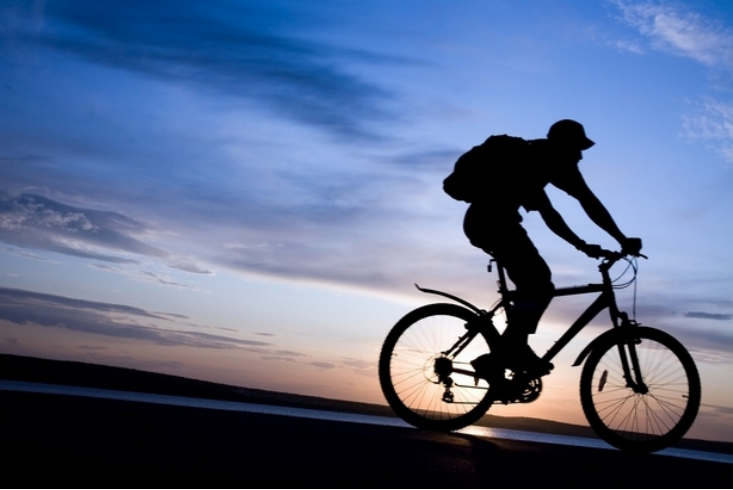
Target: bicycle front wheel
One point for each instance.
(417, 374)
(642, 420)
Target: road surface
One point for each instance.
(78, 441)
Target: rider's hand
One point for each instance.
(631, 246)
(591, 250)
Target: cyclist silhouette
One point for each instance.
(493, 224)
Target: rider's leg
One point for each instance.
(534, 289)
(531, 276)
(508, 243)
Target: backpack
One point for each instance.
(495, 160)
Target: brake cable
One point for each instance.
(634, 265)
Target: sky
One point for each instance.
(247, 192)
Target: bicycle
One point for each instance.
(639, 387)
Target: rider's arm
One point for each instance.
(555, 222)
(575, 185)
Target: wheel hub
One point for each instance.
(443, 367)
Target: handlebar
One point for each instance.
(631, 247)
(610, 257)
(614, 256)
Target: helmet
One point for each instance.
(569, 133)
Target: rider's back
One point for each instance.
(481, 173)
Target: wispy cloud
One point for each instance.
(323, 365)
(139, 275)
(682, 32)
(717, 409)
(420, 161)
(709, 316)
(20, 253)
(295, 208)
(107, 319)
(705, 344)
(712, 121)
(187, 266)
(630, 46)
(240, 49)
(34, 221)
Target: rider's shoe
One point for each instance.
(488, 367)
(522, 358)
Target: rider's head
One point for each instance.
(568, 140)
(569, 136)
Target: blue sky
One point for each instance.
(247, 191)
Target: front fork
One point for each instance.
(629, 357)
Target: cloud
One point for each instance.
(157, 279)
(289, 353)
(629, 46)
(189, 267)
(323, 365)
(358, 363)
(681, 32)
(420, 161)
(292, 238)
(17, 298)
(34, 221)
(188, 187)
(239, 49)
(706, 345)
(91, 347)
(713, 121)
(107, 319)
(20, 253)
(709, 316)
(717, 409)
(314, 260)
(359, 366)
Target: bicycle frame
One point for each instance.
(606, 299)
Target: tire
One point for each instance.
(638, 422)
(407, 376)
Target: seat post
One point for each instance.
(502, 277)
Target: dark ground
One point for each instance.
(65, 441)
(115, 378)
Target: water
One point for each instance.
(514, 435)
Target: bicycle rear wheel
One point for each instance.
(641, 422)
(414, 352)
